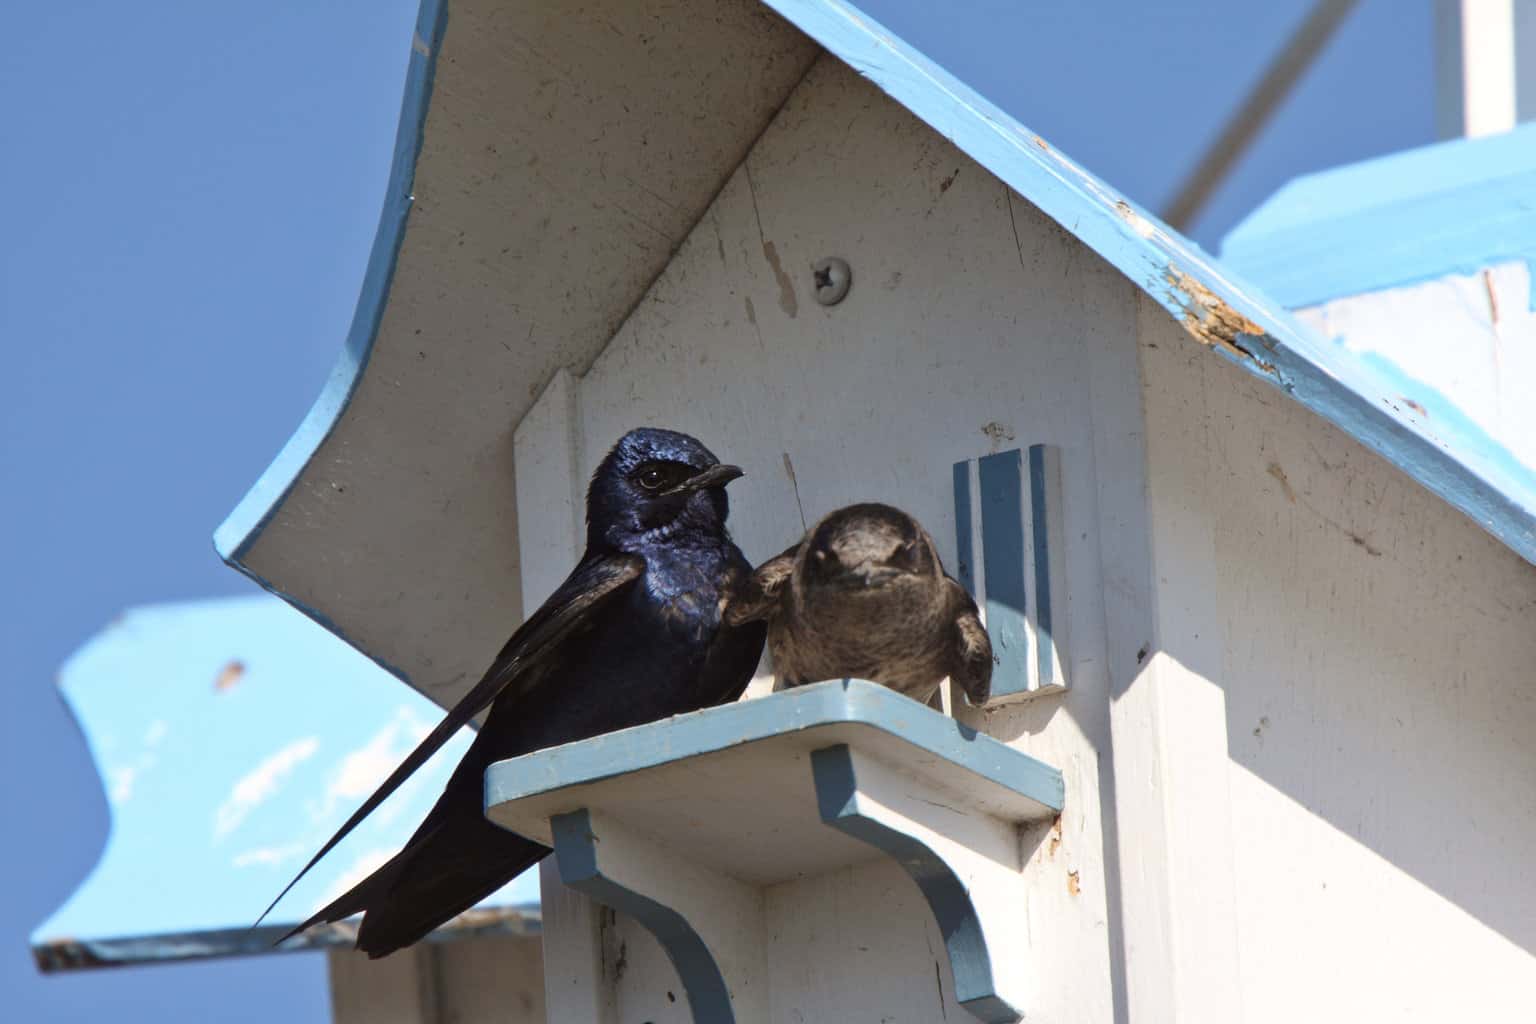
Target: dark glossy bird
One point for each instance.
(865, 595)
(633, 635)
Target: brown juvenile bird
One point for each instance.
(864, 595)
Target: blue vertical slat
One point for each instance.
(965, 566)
(1041, 541)
(1002, 554)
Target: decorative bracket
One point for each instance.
(863, 799)
(683, 825)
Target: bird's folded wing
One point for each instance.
(757, 597)
(971, 656)
(594, 580)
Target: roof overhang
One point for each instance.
(564, 154)
(232, 737)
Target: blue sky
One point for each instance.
(190, 192)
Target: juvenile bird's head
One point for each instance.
(865, 546)
(655, 485)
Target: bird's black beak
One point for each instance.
(714, 476)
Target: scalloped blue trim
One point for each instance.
(243, 526)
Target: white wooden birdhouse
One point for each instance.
(1262, 615)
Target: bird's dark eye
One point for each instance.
(658, 476)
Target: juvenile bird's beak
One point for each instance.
(714, 476)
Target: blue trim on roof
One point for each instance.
(1451, 208)
(1218, 308)
(240, 529)
(1233, 318)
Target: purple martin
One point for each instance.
(865, 595)
(634, 634)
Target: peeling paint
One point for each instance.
(1139, 224)
(997, 433)
(229, 676)
(1213, 322)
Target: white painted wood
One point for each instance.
(577, 983)
(1377, 673)
(550, 485)
(981, 850)
(1478, 90)
(1138, 910)
(1169, 720)
(857, 944)
(536, 227)
(750, 810)
(496, 980)
(1470, 338)
(725, 913)
(1291, 668)
(401, 989)
(491, 980)
(710, 834)
(972, 317)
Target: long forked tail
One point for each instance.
(438, 876)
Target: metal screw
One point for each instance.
(833, 278)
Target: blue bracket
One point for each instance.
(837, 794)
(682, 823)
(576, 855)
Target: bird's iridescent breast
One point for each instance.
(685, 587)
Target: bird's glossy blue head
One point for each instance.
(655, 485)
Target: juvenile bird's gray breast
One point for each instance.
(896, 635)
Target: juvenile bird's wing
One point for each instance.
(594, 580)
(971, 655)
(760, 594)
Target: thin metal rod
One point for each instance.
(1256, 110)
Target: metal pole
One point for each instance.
(1256, 110)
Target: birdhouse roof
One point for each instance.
(561, 160)
(1458, 213)
(1451, 208)
(232, 737)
